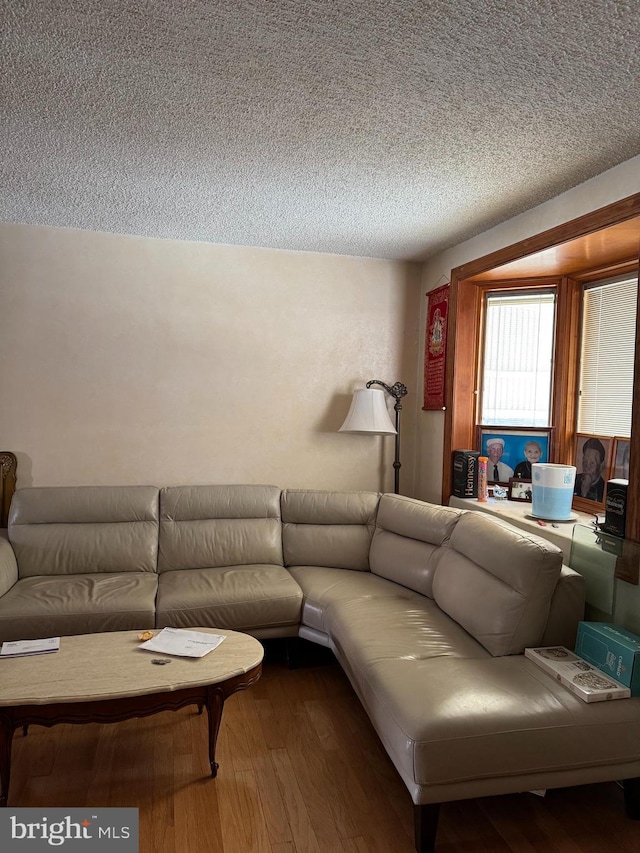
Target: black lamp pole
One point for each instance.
(397, 391)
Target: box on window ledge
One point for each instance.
(465, 473)
(613, 650)
(615, 507)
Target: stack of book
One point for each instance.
(583, 679)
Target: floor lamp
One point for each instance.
(369, 415)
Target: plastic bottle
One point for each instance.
(483, 490)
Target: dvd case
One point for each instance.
(583, 679)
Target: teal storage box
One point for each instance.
(613, 650)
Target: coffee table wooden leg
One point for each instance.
(6, 736)
(215, 704)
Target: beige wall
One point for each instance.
(132, 360)
(613, 185)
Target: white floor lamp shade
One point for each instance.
(368, 413)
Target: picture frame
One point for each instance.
(435, 349)
(620, 456)
(513, 462)
(593, 459)
(520, 490)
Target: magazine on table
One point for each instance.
(23, 648)
(177, 641)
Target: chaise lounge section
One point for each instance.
(428, 609)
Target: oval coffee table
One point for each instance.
(106, 678)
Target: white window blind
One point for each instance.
(518, 358)
(607, 355)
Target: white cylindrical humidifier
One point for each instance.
(552, 490)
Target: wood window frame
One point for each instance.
(530, 285)
(466, 298)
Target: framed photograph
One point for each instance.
(520, 490)
(621, 448)
(593, 458)
(512, 450)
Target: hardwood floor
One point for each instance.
(301, 771)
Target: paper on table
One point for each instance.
(176, 641)
(22, 648)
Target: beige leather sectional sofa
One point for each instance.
(427, 608)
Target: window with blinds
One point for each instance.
(517, 365)
(607, 356)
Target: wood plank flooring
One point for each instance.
(301, 771)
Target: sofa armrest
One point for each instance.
(567, 609)
(8, 564)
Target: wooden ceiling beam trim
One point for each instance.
(613, 214)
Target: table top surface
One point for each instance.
(92, 667)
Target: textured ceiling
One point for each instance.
(386, 128)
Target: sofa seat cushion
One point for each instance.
(396, 625)
(321, 586)
(78, 604)
(242, 598)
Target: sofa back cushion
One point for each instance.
(406, 545)
(211, 526)
(67, 530)
(331, 529)
(497, 582)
